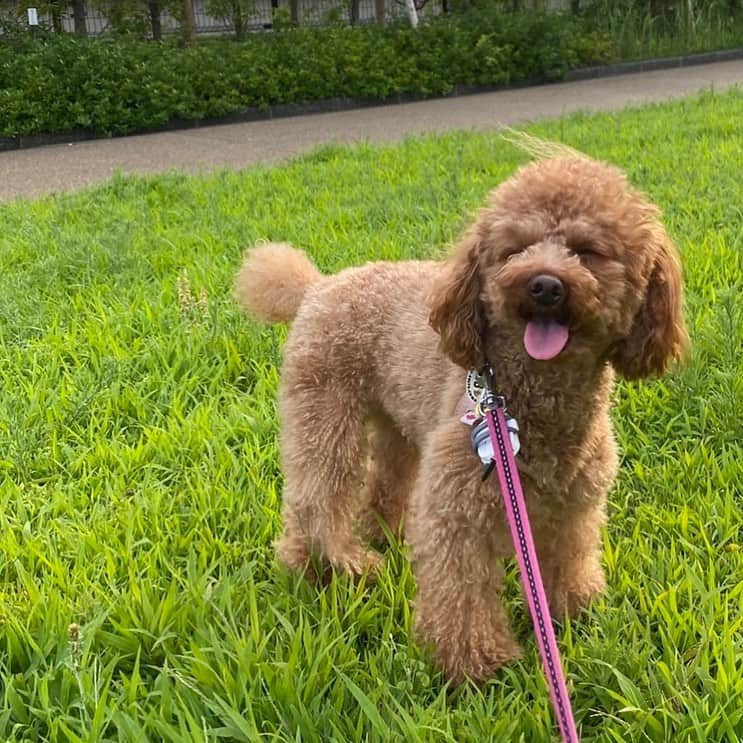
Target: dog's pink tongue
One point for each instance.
(544, 339)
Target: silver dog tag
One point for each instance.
(513, 434)
(483, 445)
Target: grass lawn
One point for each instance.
(139, 483)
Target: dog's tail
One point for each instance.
(272, 281)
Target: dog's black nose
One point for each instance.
(547, 291)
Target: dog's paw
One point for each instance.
(575, 599)
(477, 662)
(357, 561)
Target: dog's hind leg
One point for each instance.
(391, 469)
(322, 445)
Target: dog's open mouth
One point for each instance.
(545, 337)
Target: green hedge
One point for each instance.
(61, 84)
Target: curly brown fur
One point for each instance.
(367, 379)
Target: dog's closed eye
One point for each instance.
(585, 251)
(511, 252)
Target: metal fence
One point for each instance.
(310, 12)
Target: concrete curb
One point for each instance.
(649, 65)
(286, 110)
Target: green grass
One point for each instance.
(140, 485)
(678, 27)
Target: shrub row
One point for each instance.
(60, 84)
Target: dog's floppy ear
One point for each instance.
(456, 309)
(658, 335)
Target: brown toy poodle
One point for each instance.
(565, 277)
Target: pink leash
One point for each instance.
(531, 578)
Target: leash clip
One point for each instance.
(481, 441)
(490, 400)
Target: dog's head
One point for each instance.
(572, 260)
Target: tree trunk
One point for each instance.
(56, 9)
(355, 12)
(274, 8)
(78, 17)
(155, 19)
(188, 24)
(412, 13)
(379, 11)
(294, 9)
(238, 20)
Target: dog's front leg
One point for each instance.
(570, 555)
(456, 533)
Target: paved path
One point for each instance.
(67, 167)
